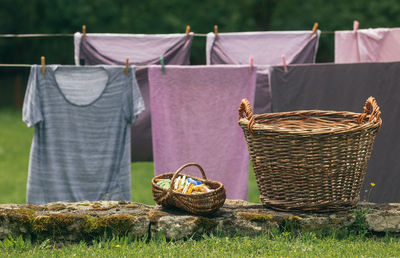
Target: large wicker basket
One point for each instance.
(202, 204)
(310, 160)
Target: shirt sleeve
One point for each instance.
(134, 103)
(31, 110)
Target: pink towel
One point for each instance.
(195, 119)
(367, 45)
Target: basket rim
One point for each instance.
(257, 127)
(220, 187)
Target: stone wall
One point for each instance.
(89, 220)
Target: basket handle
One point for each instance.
(179, 170)
(245, 108)
(374, 113)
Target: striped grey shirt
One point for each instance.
(81, 146)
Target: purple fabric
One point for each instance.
(195, 119)
(266, 49)
(113, 49)
(346, 87)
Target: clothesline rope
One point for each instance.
(71, 35)
(29, 65)
(15, 65)
(35, 35)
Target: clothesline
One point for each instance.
(71, 35)
(35, 35)
(15, 65)
(29, 65)
(57, 35)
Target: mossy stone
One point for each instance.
(256, 216)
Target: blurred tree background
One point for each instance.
(172, 16)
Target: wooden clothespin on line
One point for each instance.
(162, 64)
(284, 64)
(355, 25)
(314, 29)
(251, 63)
(187, 30)
(43, 62)
(83, 31)
(216, 31)
(127, 66)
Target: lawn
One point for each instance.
(15, 141)
(272, 245)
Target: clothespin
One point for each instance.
(284, 63)
(314, 29)
(127, 66)
(355, 25)
(187, 30)
(83, 31)
(162, 64)
(216, 31)
(42, 59)
(251, 63)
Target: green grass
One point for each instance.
(273, 245)
(15, 143)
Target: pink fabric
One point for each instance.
(367, 45)
(266, 47)
(194, 116)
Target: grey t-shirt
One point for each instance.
(81, 146)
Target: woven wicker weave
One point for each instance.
(202, 204)
(310, 160)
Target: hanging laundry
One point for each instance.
(346, 87)
(266, 48)
(81, 145)
(367, 45)
(141, 49)
(195, 119)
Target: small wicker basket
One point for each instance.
(201, 204)
(310, 160)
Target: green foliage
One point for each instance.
(359, 226)
(17, 244)
(336, 15)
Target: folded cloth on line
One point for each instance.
(141, 49)
(81, 146)
(266, 48)
(346, 87)
(367, 45)
(195, 119)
